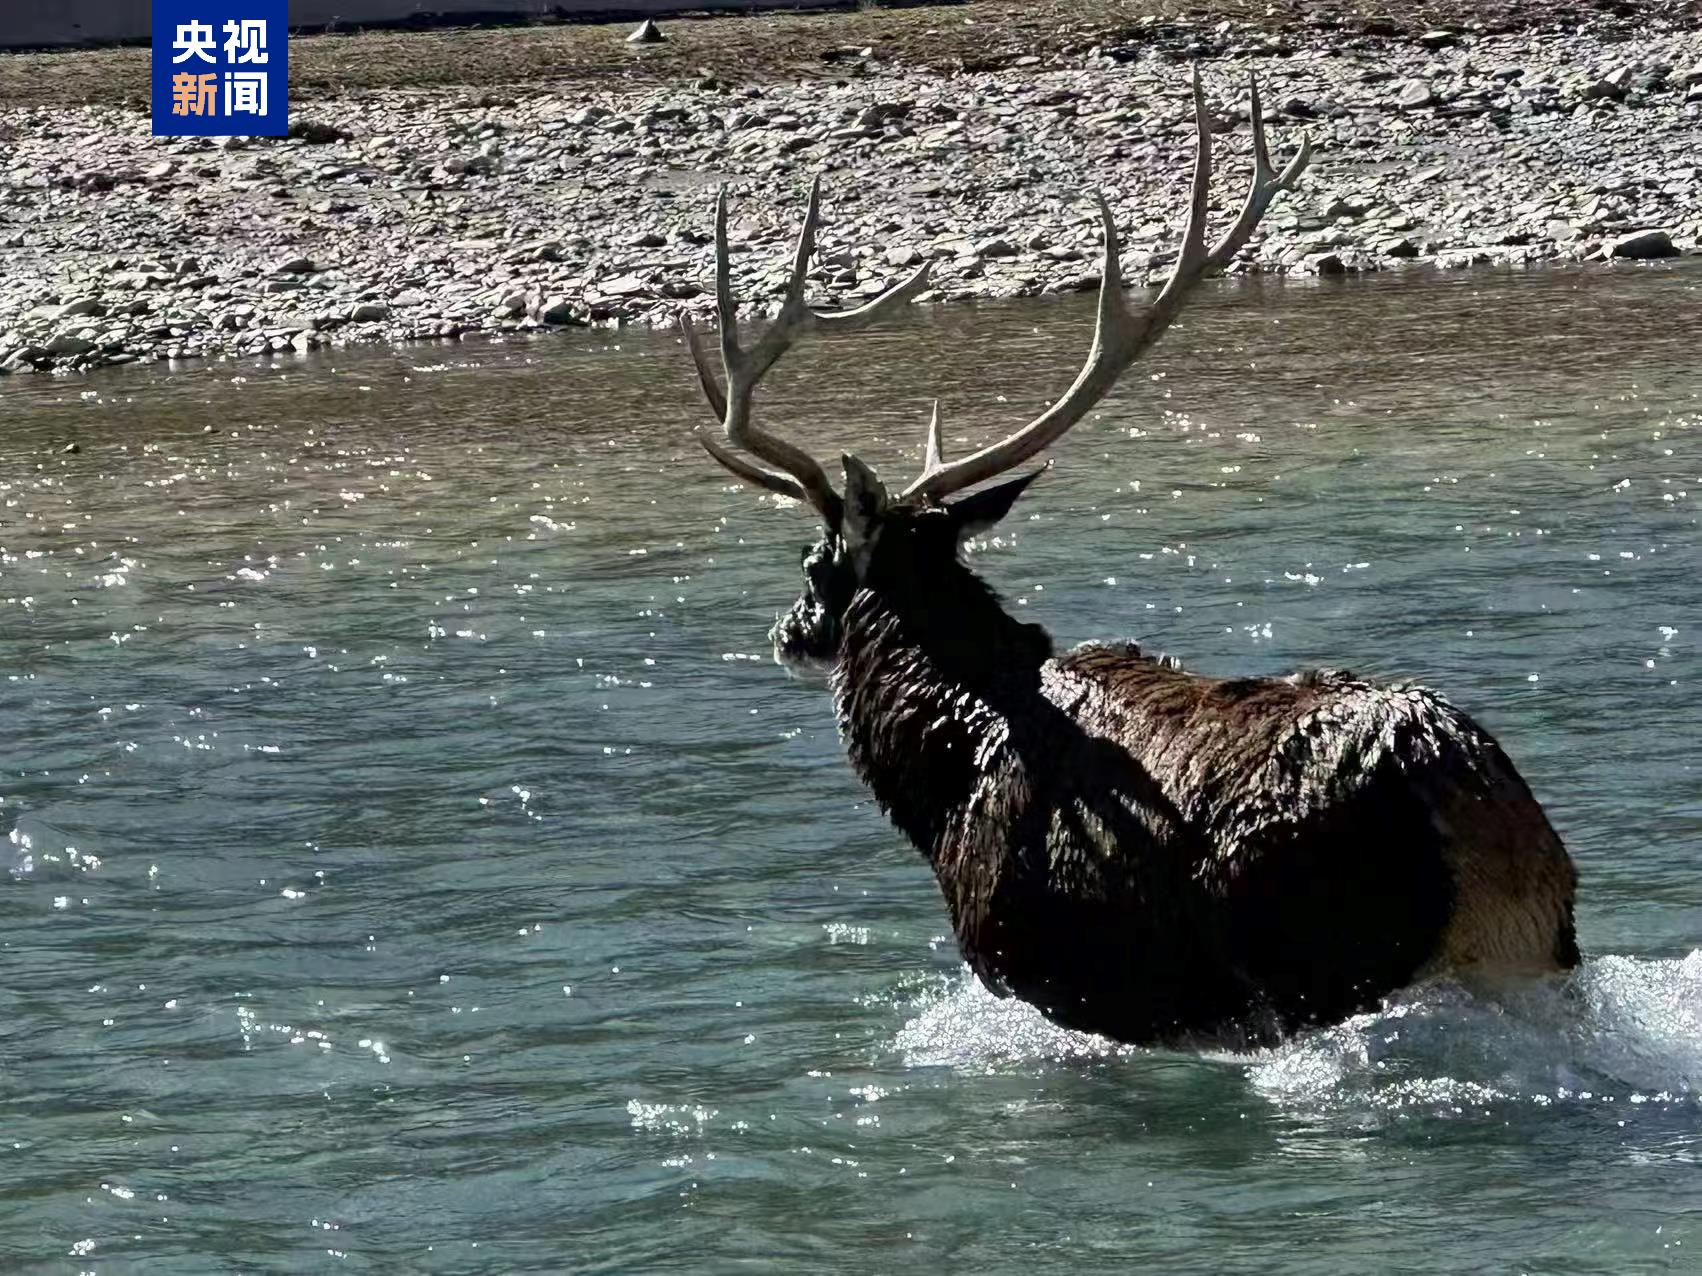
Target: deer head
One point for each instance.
(906, 546)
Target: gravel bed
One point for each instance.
(407, 214)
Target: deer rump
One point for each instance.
(1158, 856)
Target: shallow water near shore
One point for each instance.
(410, 858)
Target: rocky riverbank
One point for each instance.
(404, 214)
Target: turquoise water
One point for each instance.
(412, 860)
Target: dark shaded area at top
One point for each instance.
(976, 36)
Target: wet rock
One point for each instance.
(646, 32)
(472, 164)
(317, 132)
(1602, 88)
(877, 116)
(1641, 245)
(1401, 248)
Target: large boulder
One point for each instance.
(1642, 245)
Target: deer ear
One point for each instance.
(865, 503)
(979, 511)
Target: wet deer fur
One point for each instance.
(1137, 850)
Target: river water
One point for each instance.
(410, 859)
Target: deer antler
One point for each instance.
(797, 473)
(1121, 335)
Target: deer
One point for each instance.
(1146, 853)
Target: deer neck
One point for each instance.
(927, 689)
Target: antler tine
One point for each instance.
(1265, 186)
(807, 480)
(1120, 336)
(750, 473)
(892, 298)
(800, 475)
(718, 402)
(933, 458)
(725, 311)
(795, 315)
(1191, 258)
(806, 245)
(705, 374)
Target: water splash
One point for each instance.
(965, 1025)
(1620, 1030)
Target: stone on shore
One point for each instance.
(317, 132)
(1642, 245)
(1414, 94)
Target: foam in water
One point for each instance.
(1621, 1029)
(966, 1025)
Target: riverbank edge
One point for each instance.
(983, 169)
